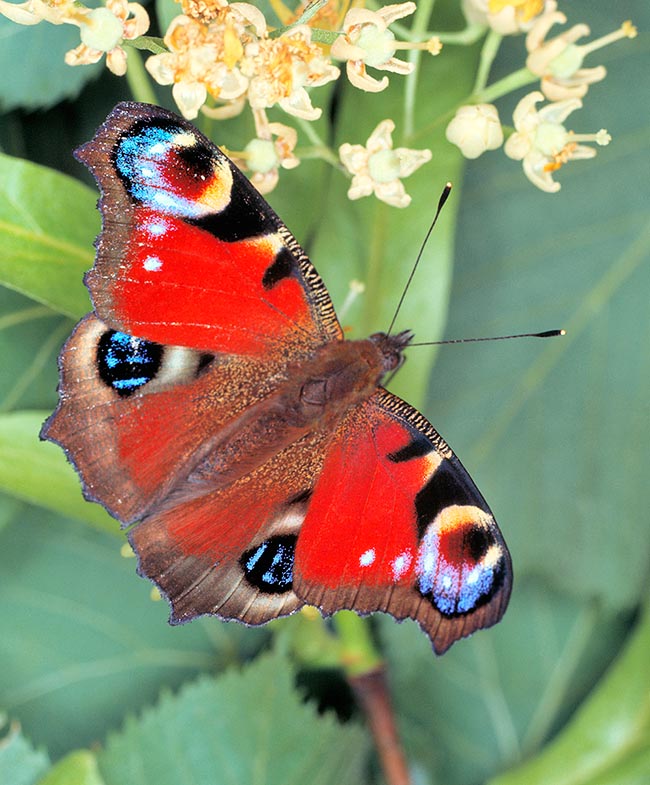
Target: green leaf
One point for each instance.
(77, 768)
(31, 60)
(166, 10)
(30, 338)
(608, 740)
(500, 695)
(81, 639)
(243, 727)
(556, 433)
(25, 462)
(48, 222)
(20, 763)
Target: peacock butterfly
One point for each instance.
(252, 451)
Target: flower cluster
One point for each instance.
(540, 139)
(221, 57)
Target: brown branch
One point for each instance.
(372, 694)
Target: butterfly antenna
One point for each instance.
(443, 198)
(545, 334)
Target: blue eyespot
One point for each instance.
(126, 363)
(146, 157)
(269, 567)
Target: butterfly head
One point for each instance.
(392, 348)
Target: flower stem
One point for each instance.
(508, 84)
(372, 694)
(420, 23)
(488, 53)
(319, 149)
(138, 79)
(358, 653)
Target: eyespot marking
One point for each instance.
(460, 564)
(125, 363)
(269, 566)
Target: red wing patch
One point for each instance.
(182, 285)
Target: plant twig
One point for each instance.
(371, 691)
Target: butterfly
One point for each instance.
(212, 405)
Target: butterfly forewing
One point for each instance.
(190, 254)
(396, 524)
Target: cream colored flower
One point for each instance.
(204, 58)
(558, 61)
(57, 12)
(377, 168)
(475, 129)
(543, 143)
(280, 70)
(505, 17)
(102, 31)
(367, 41)
(265, 156)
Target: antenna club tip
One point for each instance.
(448, 185)
(562, 332)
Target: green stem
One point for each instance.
(358, 653)
(319, 149)
(373, 269)
(488, 53)
(470, 35)
(508, 84)
(138, 79)
(420, 24)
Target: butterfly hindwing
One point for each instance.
(190, 254)
(230, 552)
(133, 414)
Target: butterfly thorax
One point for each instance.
(339, 375)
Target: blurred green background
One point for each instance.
(556, 434)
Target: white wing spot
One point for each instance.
(152, 263)
(401, 564)
(367, 558)
(156, 228)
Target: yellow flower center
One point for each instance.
(232, 47)
(524, 9)
(561, 158)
